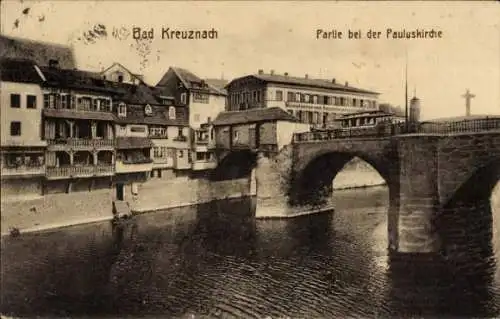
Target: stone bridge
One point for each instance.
(426, 174)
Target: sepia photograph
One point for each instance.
(249, 159)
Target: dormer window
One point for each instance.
(171, 113)
(148, 110)
(183, 98)
(122, 110)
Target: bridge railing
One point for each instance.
(391, 129)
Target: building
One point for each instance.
(22, 148)
(78, 126)
(38, 52)
(367, 119)
(118, 73)
(152, 138)
(266, 130)
(203, 102)
(312, 101)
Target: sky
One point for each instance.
(281, 36)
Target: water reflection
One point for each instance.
(217, 260)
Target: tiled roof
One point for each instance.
(374, 113)
(73, 114)
(159, 116)
(253, 116)
(219, 84)
(136, 94)
(307, 82)
(78, 79)
(39, 52)
(130, 142)
(19, 70)
(188, 78)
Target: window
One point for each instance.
(183, 98)
(290, 97)
(31, 101)
(65, 100)
(181, 153)
(148, 110)
(236, 135)
(95, 104)
(122, 109)
(15, 101)
(297, 97)
(279, 95)
(15, 128)
(179, 132)
(199, 97)
(315, 99)
(171, 112)
(120, 78)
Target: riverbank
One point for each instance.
(63, 210)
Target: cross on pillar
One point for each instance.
(468, 97)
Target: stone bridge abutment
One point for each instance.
(423, 173)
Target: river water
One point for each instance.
(216, 260)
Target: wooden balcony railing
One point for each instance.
(23, 170)
(79, 171)
(82, 143)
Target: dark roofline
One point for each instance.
(312, 85)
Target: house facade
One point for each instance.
(22, 151)
(312, 101)
(265, 130)
(203, 102)
(78, 127)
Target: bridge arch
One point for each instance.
(234, 165)
(465, 222)
(313, 179)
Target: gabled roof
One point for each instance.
(307, 82)
(188, 79)
(39, 52)
(136, 115)
(135, 75)
(20, 70)
(253, 116)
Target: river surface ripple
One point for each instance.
(216, 260)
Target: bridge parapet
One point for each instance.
(390, 129)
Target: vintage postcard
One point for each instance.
(250, 159)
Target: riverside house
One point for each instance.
(203, 102)
(22, 148)
(78, 128)
(152, 137)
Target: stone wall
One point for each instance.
(418, 181)
(460, 156)
(164, 194)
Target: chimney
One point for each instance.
(272, 72)
(53, 63)
(261, 71)
(286, 73)
(333, 80)
(346, 83)
(307, 76)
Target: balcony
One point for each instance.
(23, 171)
(181, 138)
(78, 171)
(124, 166)
(80, 144)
